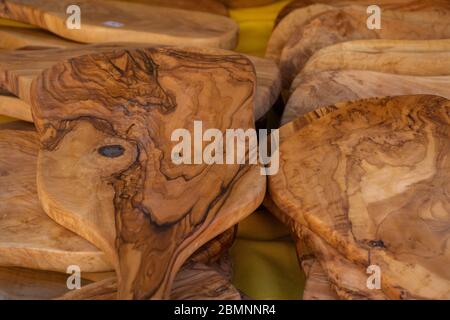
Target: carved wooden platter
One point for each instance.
(408, 57)
(315, 90)
(369, 177)
(28, 237)
(105, 168)
(19, 68)
(295, 21)
(103, 20)
(349, 23)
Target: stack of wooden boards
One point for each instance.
(364, 147)
(91, 182)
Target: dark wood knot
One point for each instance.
(112, 151)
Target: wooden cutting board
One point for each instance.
(18, 69)
(369, 177)
(15, 108)
(195, 282)
(103, 20)
(317, 285)
(416, 5)
(408, 57)
(105, 168)
(28, 238)
(349, 23)
(315, 90)
(293, 23)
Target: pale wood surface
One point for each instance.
(15, 108)
(408, 57)
(150, 226)
(349, 23)
(293, 23)
(315, 90)
(18, 69)
(371, 180)
(103, 21)
(28, 237)
(317, 286)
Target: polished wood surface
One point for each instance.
(15, 108)
(150, 226)
(19, 68)
(102, 21)
(28, 237)
(311, 91)
(371, 181)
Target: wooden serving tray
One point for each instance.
(103, 20)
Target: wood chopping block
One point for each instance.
(28, 237)
(293, 23)
(103, 20)
(315, 90)
(18, 68)
(349, 23)
(369, 177)
(408, 57)
(146, 213)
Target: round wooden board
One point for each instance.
(103, 20)
(28, 237)
(370, 178)
(348, 23)
(315, 90)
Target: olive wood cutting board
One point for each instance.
(103, 20)
(15, 108)
(28, 237)
(193, 282)
(294, 22)
(315, 90)
(371, 180)
(408, 57)
(349, 23)
(19, 68)
(101, 175)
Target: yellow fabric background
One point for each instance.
(264, 257)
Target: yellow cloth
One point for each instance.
(265, 262)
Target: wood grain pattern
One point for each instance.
(28, 237)
(131, 22)
(146, 213)
(246, 3)
(348, 24)
(408, 57)
(211, 6)
(24, 38)
(15, 108)
(416, 5)
(311, 91)
(412, 11)
(371, 180)
(18, 69)
(317, 285)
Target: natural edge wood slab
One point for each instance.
(28, 237)
(370, 178)
(315, 90)
(146, 213)
(102, 21)
(18, 69)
